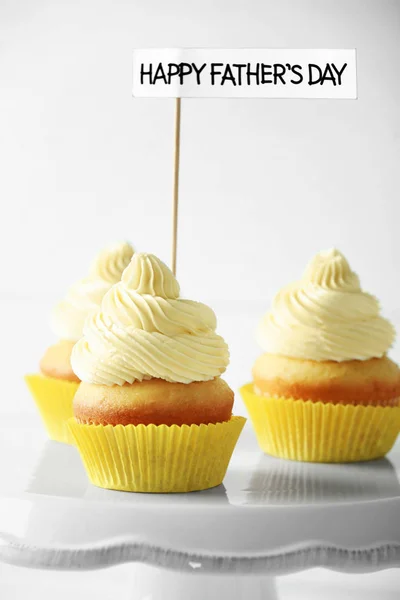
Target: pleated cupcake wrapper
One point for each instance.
(54, 398)
(318, 432)
(157, 458)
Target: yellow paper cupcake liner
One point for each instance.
(53, 397)
(318, 432)
(157, 458)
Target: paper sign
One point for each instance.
(244, 73)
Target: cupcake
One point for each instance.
(152, 413)
(325, 389)
(54, 387)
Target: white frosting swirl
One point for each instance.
(85, 296)
(326, 316)
(145, 330)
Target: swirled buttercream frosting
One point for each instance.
(144, 330)
(85, 296)
(326, 316)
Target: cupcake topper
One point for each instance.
(239, 73)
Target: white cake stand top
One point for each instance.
(269, 516)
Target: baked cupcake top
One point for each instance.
(145, 330)
(85, 296)
(326, 316)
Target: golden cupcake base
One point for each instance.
(156, 458)
(321, 432)
(53, 398)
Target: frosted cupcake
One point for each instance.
(152, 413)
(325, 389)
(54, 387)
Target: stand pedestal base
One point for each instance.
(151, 583)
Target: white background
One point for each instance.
(264, 183)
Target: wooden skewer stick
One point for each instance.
(176, 182)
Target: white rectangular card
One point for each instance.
(244, 73)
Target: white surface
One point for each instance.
(283, 516)
(17, 583)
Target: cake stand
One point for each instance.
(270, 517)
